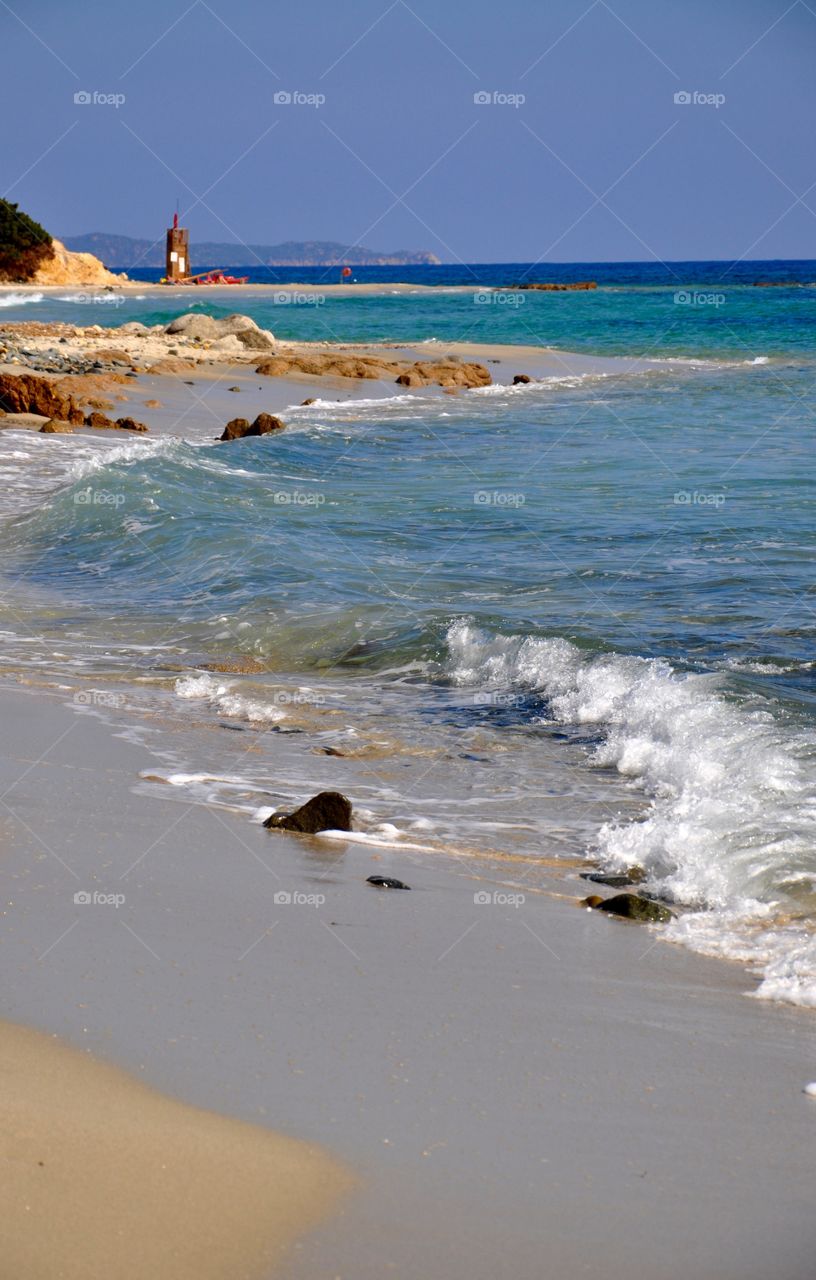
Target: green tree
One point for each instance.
(24, 244)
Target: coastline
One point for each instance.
(510, 1084)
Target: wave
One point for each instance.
(730, 831)
(19, 299)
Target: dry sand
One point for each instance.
(101, 1178)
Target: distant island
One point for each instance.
(126, 252)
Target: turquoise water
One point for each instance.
(625, 561)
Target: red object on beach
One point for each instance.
(346, 271)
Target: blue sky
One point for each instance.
(581, 152)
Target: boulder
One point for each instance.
(195, 325)
(53, 427)
(25, 393)
(264, 424)
(99, 420)
(520, 378)
(631, 907)
(255, 340)
(130, 424)
(328, 811)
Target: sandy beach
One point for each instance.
(514, 1086)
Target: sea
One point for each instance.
(571, 620)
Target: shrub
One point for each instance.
(24, 244)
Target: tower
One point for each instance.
(178, 251)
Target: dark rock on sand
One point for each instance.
(255, 340)
(521, 377)
(386, 882)
(309, 401)
(99, 420)
(328, 811)
(632, 875)
(239, 428)
(631, 907)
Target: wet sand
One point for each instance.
(523, 1091)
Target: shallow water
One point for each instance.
(582, 607)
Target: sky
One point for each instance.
(482, 131)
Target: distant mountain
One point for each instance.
(125, 253)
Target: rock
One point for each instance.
(237, 388)
(134, 326)
(112, 355)
(99, 420)
(53, 427)
(99, 402)
(328, 811)
(194, 325)
(632, 875)
(558, 288)
(519, 378)
(592, 901)
(631, 907)
(254, 340)
(310, 400)
(235, 429)
(130, 424)
(264, 424)
(444, 373)
(171, 364)
(25, 393)
(386, 882)
(152, 404)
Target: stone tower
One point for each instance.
(178, 251)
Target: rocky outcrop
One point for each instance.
(328, 811)
(25, 393)
(264, 424)
(65, 267)
(421, 373)
(558, 288)
(444, 373)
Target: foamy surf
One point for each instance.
(730, 832)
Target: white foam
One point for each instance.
(221, 697)
(19, 299)
(731, 825)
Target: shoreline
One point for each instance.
(508, 1083)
